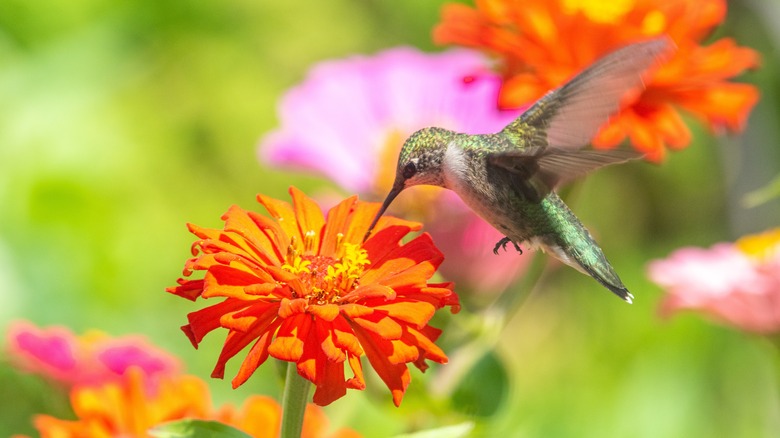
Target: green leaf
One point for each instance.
(196, 429)
(483, 389)
(454, 431)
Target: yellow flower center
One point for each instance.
(760, 246)
(326, 279)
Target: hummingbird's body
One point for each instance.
(508, 177)
(492, 193)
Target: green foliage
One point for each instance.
(196, 429)
(484, 389)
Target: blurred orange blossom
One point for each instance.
(542, 43)
(129, 409)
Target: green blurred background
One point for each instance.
(121, 121)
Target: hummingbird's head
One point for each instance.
(420, 162)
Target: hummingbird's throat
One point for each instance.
(324, 279)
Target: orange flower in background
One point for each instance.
(129, 409)
(261, 417)
(304, 288)
(542, 43)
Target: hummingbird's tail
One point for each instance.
(589, 260)
(571, 243)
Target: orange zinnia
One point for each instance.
(130, 409)
(544, 42)
(127, 408)
(306, 289)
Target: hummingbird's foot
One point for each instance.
(502, 244)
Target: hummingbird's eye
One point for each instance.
(409, 170)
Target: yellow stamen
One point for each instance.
(325, 278)
(308, 241)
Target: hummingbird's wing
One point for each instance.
(545, 141)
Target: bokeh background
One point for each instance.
(121, 121)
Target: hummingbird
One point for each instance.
(509, 178)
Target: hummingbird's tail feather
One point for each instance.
(566, 239)
(590, 261)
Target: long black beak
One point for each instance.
(397, 188)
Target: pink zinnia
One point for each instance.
(348, 120)
(735, 283)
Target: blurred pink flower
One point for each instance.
(735, 283)
(91, 359)
(348, 120)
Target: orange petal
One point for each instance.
(249, 318)
(359, 221)
(646, 139)
(395, 376)
(230, 281)
(413, 312)
(431, 350)
(355, 310)
(333, 386)
(521, 89)
(283, 213)
(326, 340)
(401, 258)
(235, 342)
(672, 127)
(398, 275)
(239, 221)
(610, 135)
(725, 105)
(358, 381)
(326, 312)
(438, 295)
(721, 60)
(290, 338)
(202, 321)
(344, 338)
(460, 24)
(273, 233)
(189, 289)
(256, 356)
(382, 325)
(336, 224)
(288, 308)
(402, 352)
(309, 216)
(369, 291)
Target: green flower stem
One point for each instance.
(296, 395)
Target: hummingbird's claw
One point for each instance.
(502, 244)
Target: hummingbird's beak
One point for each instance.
(397, 188)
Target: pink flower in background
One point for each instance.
(348, 120)
(735, 283)
(91, 359)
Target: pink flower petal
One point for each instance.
(723, 283)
